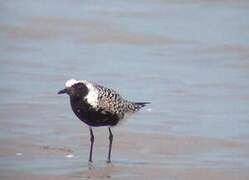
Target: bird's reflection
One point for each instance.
(94, 171)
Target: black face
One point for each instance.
(76, 90)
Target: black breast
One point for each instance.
(91, 116)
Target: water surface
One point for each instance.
(188, 58)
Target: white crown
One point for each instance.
(71, 82)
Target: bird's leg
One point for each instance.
(110, 145)
(92, 142)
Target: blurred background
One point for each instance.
(188, 58)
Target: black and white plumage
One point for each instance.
(97, 106)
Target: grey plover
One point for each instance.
(98, 106)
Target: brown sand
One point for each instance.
(151, 156)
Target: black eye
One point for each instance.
(79, 86)
(80, 89)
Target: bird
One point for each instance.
(97, 106)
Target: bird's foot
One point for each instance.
(90, 165)
(108, 161)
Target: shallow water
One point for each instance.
(188, 58)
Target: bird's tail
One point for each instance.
(135, 106)
(139, 105)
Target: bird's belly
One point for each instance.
(92, 116)
(96, 118)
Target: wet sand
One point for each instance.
(189, 59)
(136, 156)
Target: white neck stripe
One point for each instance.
(92, 96)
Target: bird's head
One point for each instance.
(75, 88)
